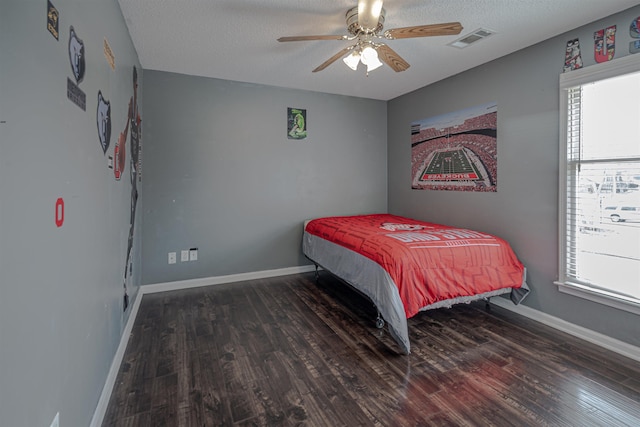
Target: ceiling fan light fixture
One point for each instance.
(373, 65)
(352, 60)
(369, 55)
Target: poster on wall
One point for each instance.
(296, 123)
(456, 151)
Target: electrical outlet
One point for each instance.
(184, 256)
(193, 254)
(56, 421)
(172, 257)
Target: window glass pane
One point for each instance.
(611, 118)
(606, 227)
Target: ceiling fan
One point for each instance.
(364, 24)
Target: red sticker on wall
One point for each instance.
(59, 212)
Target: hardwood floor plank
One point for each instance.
(290, 351)
(164, 406)
(208, 394)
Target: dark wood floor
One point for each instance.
(290, 351)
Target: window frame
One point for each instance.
(625, 65)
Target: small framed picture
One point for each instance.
(296, 123)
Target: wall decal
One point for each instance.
(133, 124)
(119, 154)
(605, 44)
(76, 58)
(52, 20)
(76, 95)
(456, 151)
(634, 32)
(76, 55)
(103, 118)
(296, 123)
(59, 216)
(572, 56)
(108, 53)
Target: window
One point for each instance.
(599, 217)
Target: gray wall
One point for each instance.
(61, 289)
(221, 175)
(525, 208)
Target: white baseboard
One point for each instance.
(589, 335)
(218, 280)
(103, 402)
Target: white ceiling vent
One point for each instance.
(477, 35)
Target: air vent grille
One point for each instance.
(466, 40)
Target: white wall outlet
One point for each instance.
(184, 256)
(193, 254)
(172, 257)
(56, 421)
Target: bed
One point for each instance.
(405, 266)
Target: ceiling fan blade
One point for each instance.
(334, 58)
(446, 29)
(391, 58)
(369, 13)
(304, 38)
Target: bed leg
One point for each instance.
(379, 321)
(317, 273)
(487, 304)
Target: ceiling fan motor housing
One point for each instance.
(354, 27)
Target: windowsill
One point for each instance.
(601, 297)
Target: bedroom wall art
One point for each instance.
(134, 128)
(103, 120)
(77, 61)
(634, 32)
(572, 57)
(108, 54)
(456, 151)
(605, 44)
(59, 216)
(296, 123)
(52, 19)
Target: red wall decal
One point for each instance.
(59, 212)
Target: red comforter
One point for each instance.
(427, 262)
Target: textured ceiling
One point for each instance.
(237, 39)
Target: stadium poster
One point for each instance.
(456, 151)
